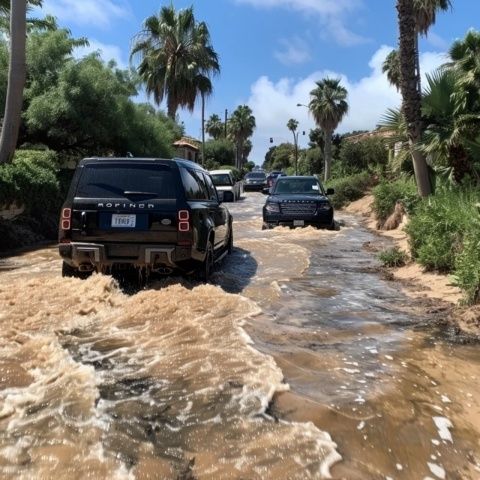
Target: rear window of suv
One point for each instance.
(255, 175)
(120, 181)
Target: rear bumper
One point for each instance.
(99, 256)
(249, 186)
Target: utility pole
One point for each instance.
(226, 117)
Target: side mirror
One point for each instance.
(330, 191)
(220, 196)
(266, 191)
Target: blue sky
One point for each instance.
(272, 51)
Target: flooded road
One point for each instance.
(297, 361)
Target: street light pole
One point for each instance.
(226, 116)
(295, 139)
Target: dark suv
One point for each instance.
(154, 214)
(298, 202)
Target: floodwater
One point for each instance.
(297, 361)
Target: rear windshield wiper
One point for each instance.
(131, 192)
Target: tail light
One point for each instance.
(66, 219)
(183, 221)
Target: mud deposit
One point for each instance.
(298, 361)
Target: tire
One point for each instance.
(72, 272)
(230, 241)
(205, 270)
(332, 226)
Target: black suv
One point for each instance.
(298, 202)
(154, 214)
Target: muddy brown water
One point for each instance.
(297, 361)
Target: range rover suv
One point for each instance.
(154, 214)
(298, 202)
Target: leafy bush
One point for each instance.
(387, 194)
(445, 235)
(219, 152)
(348, 189)
(31, 180)
(467, 267)
(367, 154)
(393, 257)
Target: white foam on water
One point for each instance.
(443, 425)
(437, 470)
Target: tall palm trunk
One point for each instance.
(411, 104)
(327, 153)
(16, 80)
(203, 129)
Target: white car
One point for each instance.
(224, 181)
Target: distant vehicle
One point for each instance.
(255, 181)
(153, 214)
(225, 182)
(272, 176)
(298, 202)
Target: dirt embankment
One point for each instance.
(415, 281)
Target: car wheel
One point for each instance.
(332, 226)
(206, 268)
(72, 272)
(230, 241)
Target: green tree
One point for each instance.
(328, 105)
(241, 127)
(174, 49)
(215, 127)
(221, 151)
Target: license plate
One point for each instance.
(299, 223)
(124, 221)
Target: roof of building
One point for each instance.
(187, 142)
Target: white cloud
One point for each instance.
(273, 104)
(99, 13)
(107, 52)
(330, 12)
(437, 41)
(295, 52)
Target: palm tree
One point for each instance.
(241, 126)
(215, 127)
(391, 66)
(16, 79)
(450, 133)
(465, 62)
(328, 105)
(425, 17)
(205, 88)
(173, 50)
(292, 125)
(412, 100)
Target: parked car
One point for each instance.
(154, 214)
(298, 202)
(225, 182)
(255, 181)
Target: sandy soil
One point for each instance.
(416, 282)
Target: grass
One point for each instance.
(393, 257)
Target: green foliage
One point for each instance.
(88, 111)
(348, 189)
(220, 151)
(368, 154)
(387, 194)
(467, 264)
(280, 157)
(31, 180)
(393, 257)
(443, 227)
(310, 161)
